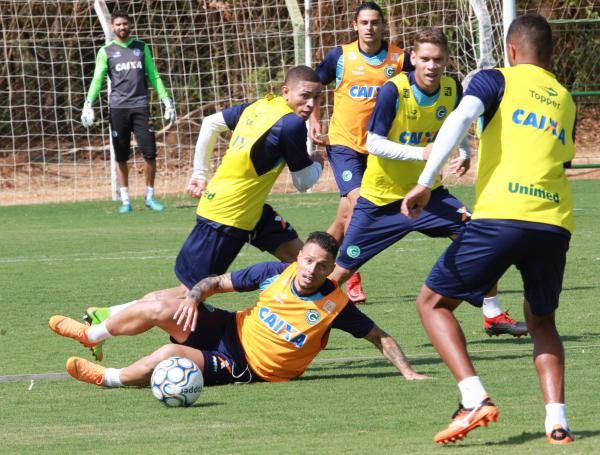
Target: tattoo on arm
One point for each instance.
(390, 349)
(209, 286)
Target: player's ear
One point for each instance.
(355, 25)
(413, 57)
(285, 92)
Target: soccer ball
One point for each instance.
(177, 381)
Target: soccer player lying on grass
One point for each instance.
(273, 340)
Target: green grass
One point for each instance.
(62, 258)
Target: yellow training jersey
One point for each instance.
(236, 194)
(282, 333)
(354, 97)
(523, 149)
(387, 180)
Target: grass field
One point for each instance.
(62, 258)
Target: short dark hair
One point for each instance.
(118, 13)
(533, 31)
(431, 35)
(325, 241)
(368, 5)
(301, 73)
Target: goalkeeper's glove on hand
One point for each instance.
(170, 114)
(87, 114)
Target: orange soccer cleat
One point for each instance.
(354, 289)
(85, 371)
(560, 435)
(465, 420)
(71, 328)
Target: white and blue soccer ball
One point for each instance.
(177, 381)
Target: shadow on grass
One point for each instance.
(520, 342)
(527, 436)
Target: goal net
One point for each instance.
(210, 53)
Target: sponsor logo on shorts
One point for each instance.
(353, 251)
(208, 307)
(312, 317)
(389, 71)
(440, 113)
(137, 52)
(347, 175)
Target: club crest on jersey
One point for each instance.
(312, 317)
(440, 112)
(353, 251)
(389, 71)
(137, 52)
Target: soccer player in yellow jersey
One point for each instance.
(408, 112)
(267, 135)
(274, 340)
(359, 69)
(523, 216)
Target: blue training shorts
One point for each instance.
(217, 337)
(211, 247)
(374, 228)
(348, 167)
(485, 249)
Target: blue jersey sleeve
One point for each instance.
(353, 321)
(232, 114)
(251, 278)
(327, 68)
(384, 111)
(488, 86)
(292, 139)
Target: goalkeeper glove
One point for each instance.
(87, 114)
(170, 114)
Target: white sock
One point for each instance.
(111, 377)
(117, 308)
(149, 192)
(125, 195)
(555, 415)
(491, 307)
(98, 332)
(472, 391)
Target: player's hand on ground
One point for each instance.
(170, 114)
(415, 201)
(427, 151)
(87, 114)
(412, 375)
(196, 187)
(314, 132)
(460, 166)
(187, 313)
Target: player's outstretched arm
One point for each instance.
(187, 313)
(392, 351)
(212, 126)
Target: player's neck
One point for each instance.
(370, 49)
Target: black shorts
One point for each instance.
(124, 121)
(217, 337)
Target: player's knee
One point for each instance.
(161, 310)
(163, 353)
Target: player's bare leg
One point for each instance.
(150, 174)
(444, 331)
(178, 292)
(288, 251)
(140, 372)
(338, 226)
(549, 360)
(340, 274)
